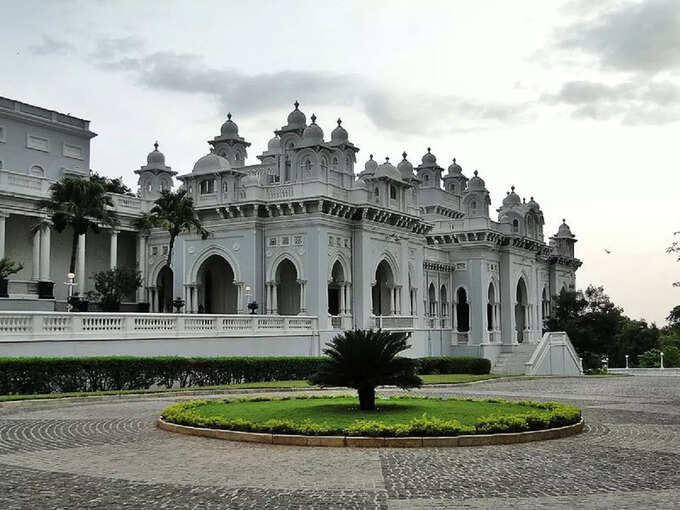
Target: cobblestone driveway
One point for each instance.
(108, 454)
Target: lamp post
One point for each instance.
(247, 296)
(662, 360)
(69, 286)
(626, 361)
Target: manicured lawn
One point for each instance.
(427, 379)
(341, 412)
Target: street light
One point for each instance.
(662, 359)
(248, 292)
(69, 286)
(626, 360)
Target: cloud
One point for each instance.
(116, 47)
(256, 93)
(51, 46)
(631, 36)
(631, 102)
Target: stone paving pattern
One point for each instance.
(108, 454)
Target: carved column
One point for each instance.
(3, 218)
(35, 275)
(45, 285)
(80, 265)
(141, 266)
(113, 250)
(342, 309)
(275, 303)
(303, 301)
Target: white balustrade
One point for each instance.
(26, 326)
(396, 322)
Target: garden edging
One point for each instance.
(389, 442)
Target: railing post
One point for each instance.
(286, 323)
(180, 326)
(77, 323)
(128, 325)
(37, 326)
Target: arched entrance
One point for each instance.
(521, 310)
(218, 294)
(382, 290)
(462, 310)
(164, 284)
(288, 289)
(336, 301)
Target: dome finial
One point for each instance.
(512, 188)
(564, 220)
(229, 115)
(370, 156)
(339, 121)
(429, 149)
(476, 173)
(296, 104)
(313, 117)
(454, 160)
(531, 198)
(387, 158)
(155, 145)
(403, 154)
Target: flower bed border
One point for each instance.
(373, 442)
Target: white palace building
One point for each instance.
(319, 242)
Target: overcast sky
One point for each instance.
(576, 103)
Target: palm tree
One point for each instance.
(80, 204)
(174, 211)
(365, 359)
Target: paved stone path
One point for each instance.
(108, 454)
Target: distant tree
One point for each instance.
(365, 359)
(80, 204)
(112, 185)
(634, 338)
(174, 212)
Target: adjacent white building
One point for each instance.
(303, 232)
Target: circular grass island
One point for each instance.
(403, 420)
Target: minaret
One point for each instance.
(454, 180)
(155, 176)
(229, 145)
(564, 240)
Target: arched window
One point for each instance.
(207, 186)
(335, 163)
(225, 187)
(376, 193)
(324, 163)
(515, 226)
(307, 165)
(393, 192)
(462, 310)
(37, 171)
(427, 177)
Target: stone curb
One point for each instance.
(376, 442)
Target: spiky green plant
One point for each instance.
(80, 204)
(365, 359)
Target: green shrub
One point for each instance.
(27, 376)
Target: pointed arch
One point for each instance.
(208, 251)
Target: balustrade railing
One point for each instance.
(64, 326)
(393, 321)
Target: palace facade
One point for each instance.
(305, 231)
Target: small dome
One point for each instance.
(155, 157)
(564, 230)
(405, 167)
(211, 163)
(388, 170)
(229, 128)
(370, 165)
(429, 159)
(512, 199)
(313, 134)
(297, 119)
(339, 135)
(533, 205)
(455, 168)
(476, 183)
(274, 145)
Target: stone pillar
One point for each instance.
(80, 265)
(45, 285)
(303, 294)
(239, 297)
(275, 304)
(3, 217)
(36, 255)
(348, 298)
(342, 310)
(113, 249)
(141, 266)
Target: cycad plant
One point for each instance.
(365, 359)
(80, 204)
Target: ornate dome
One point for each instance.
(476, 183)
(455, 168)
(297, 119)
(533, 205)
(405, 167)
(564, 230)
(229, 128)
(429, 159)
(339, 135)
(371, 165)
(155, 157)
(274, 145)
(388, 170)
(313, 134)
(211, 163)
(512, 199)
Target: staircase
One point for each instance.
(512, 363)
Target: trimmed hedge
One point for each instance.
(539, 416)
(26, 376)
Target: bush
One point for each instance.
(113, 285)
(451, 365)
(28, 376)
